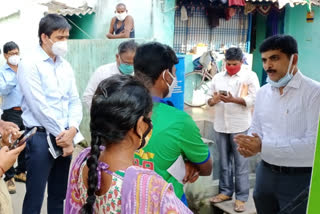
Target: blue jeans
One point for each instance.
(228, 151)
(43, 168)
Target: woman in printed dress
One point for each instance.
(102, 178)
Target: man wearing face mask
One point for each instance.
(11, 105)
(123, 65)
(284, 128)
(51, 103)
(233, 96)
(122, 25)
(174, 133)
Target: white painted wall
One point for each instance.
(21, 28)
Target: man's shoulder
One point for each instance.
(170, 113)
(310, 82)
(110, 68)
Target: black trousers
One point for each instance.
(14, 116)
(275, 190)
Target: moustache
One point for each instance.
(271, 71)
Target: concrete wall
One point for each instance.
(307, 35)
(85, 56)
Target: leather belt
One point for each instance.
(39, 128)
(17, 108)
(287, 170)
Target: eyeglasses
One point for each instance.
(122, 62)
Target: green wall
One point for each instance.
(308, 37)
(260, 36)
(85, 23)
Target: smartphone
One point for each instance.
(224, 93)
(23, 138)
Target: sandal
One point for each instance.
(239, 206)
(219, 198)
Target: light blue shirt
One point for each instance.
(50, 96)
(9, 89)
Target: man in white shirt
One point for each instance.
(123, 65)
(51, 103)
(283, 129)
(234, 93)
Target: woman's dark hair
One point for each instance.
(9, 46)
(126, 46)
(50, 23)
(151, 60)
(118, 103)
(285, 43)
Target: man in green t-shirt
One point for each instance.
(174, 133)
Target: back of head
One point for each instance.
(285, 43)
(151, 60)
(51, 23)
(234, 54)
(9, 46)
(117, 105)
(127, 46)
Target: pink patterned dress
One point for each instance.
(141, 190)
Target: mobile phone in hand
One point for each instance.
(224, 93)
(23, 138)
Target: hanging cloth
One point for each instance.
(237, 3)
(184, 14)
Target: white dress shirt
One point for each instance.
(287, 124)
(103, 72)
(50, 96)
(232, 117)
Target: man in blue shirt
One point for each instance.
(11, 106)
(51, 103)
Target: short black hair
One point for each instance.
(285, 43)
(9, 46)
(126, 46)
(50, 23)
(121, 4)
(234, 54)
(151, 60)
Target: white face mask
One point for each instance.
(14, 60)
(121, 16)
(60, 48)
(173, 84)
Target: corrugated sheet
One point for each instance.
(63, 9)
(291, 2)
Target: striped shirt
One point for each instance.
(287, 124)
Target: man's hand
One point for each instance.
(9, 157)
(9, 131)
(248, 146)
(65, 138)
(109, 35)
(215, 99)
(192, 173)
(67, 150)
(227, 99)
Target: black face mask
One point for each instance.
(143, 138)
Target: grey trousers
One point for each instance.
(228, 152)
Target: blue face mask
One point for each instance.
(284, 80)
(126, 69)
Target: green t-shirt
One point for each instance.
(174, 134)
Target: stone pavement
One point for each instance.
(17, 198)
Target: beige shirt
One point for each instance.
(232, 117)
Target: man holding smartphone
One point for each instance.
(233, 97)
(51, 103)
(11, 105)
